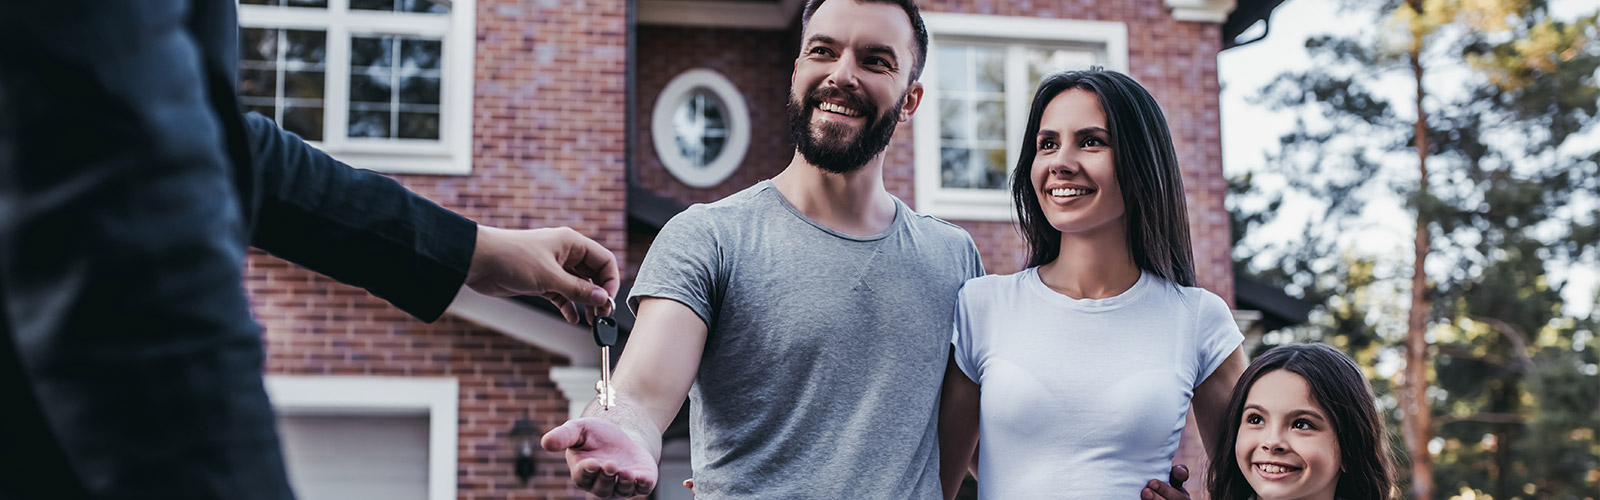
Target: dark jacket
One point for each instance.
(130, 186)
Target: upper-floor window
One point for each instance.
(979, 81)
(379, 84)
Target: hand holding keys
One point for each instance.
(605, 335)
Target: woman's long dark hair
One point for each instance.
(1338, 386)
(1147, 170)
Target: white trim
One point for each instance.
(541, 329)
(452, 153)
(1110, 39)
(577, 385)
(711, 13)
(349, 395)
(664, 136)
(1204, 11)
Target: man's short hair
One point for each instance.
(919, 30)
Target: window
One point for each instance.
(980, 77)
(352, 437)
(379, 84)
(701, 127)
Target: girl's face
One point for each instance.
(1073, 174)
(1286, 446)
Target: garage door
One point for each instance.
(356, 457)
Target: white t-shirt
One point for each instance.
(1084, 398)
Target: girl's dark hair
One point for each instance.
(1147, 170)
(1338, 386)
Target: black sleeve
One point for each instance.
(356, 226)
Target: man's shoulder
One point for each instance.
(936, 228)
(735, 209)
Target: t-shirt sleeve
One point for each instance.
(682, 265)
(961, 339)
(1217, 336)
(975, 265)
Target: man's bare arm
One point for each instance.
(615, 453)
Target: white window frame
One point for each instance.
(331, 395)
(452, 153)
(1017, 34)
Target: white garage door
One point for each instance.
(356, 457)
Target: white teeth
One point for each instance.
(1273, 469)
(835, 108)
(1069, 192)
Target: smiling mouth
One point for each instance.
(1070, 192)
(837, 109)
(1275, 469)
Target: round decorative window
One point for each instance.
(700, 127)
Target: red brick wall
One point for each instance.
(548, 150)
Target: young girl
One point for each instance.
(1302, 424)
(1078, 372)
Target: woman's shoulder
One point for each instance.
(992, 285)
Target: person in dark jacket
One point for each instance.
(131, 185)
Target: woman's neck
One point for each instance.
(1092, 265)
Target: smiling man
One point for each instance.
(807, 317)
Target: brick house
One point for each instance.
(609, 116)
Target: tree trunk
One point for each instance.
(1418, 412)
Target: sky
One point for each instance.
(1250, 131)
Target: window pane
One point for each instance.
(266, 111)
(318, 4)
(419, 90)
(306, 121)
(258, 83)
(991, 118)
(990, 69)
(419, 53)
(257, 44)
(953, 119)
(371, 51)
(1042, 62)
(370, 87)
(372, 4)
(953, 166)
(953, 68)
(306, 46)
(303, 84)
(369, 123)
(990, 169)
(419, 125)
(261, 2)
(424, 6)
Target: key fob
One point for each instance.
(605, 331)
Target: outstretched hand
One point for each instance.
(604, 460)
(574, 272)
(1171, 490)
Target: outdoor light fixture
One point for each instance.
(522, 436)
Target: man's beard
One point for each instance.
(830, 151)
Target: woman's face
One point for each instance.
(1073, 174)
(1286, 446)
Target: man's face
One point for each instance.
(851, 83)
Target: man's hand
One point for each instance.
(604, 461)
(577, 274)
(1159, 490)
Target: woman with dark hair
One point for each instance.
(1078, 371)
(1302, 423)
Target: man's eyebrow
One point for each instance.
(821, 38)
(876, 48)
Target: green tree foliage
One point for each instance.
(1512, 202)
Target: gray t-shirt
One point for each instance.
(822, 367)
